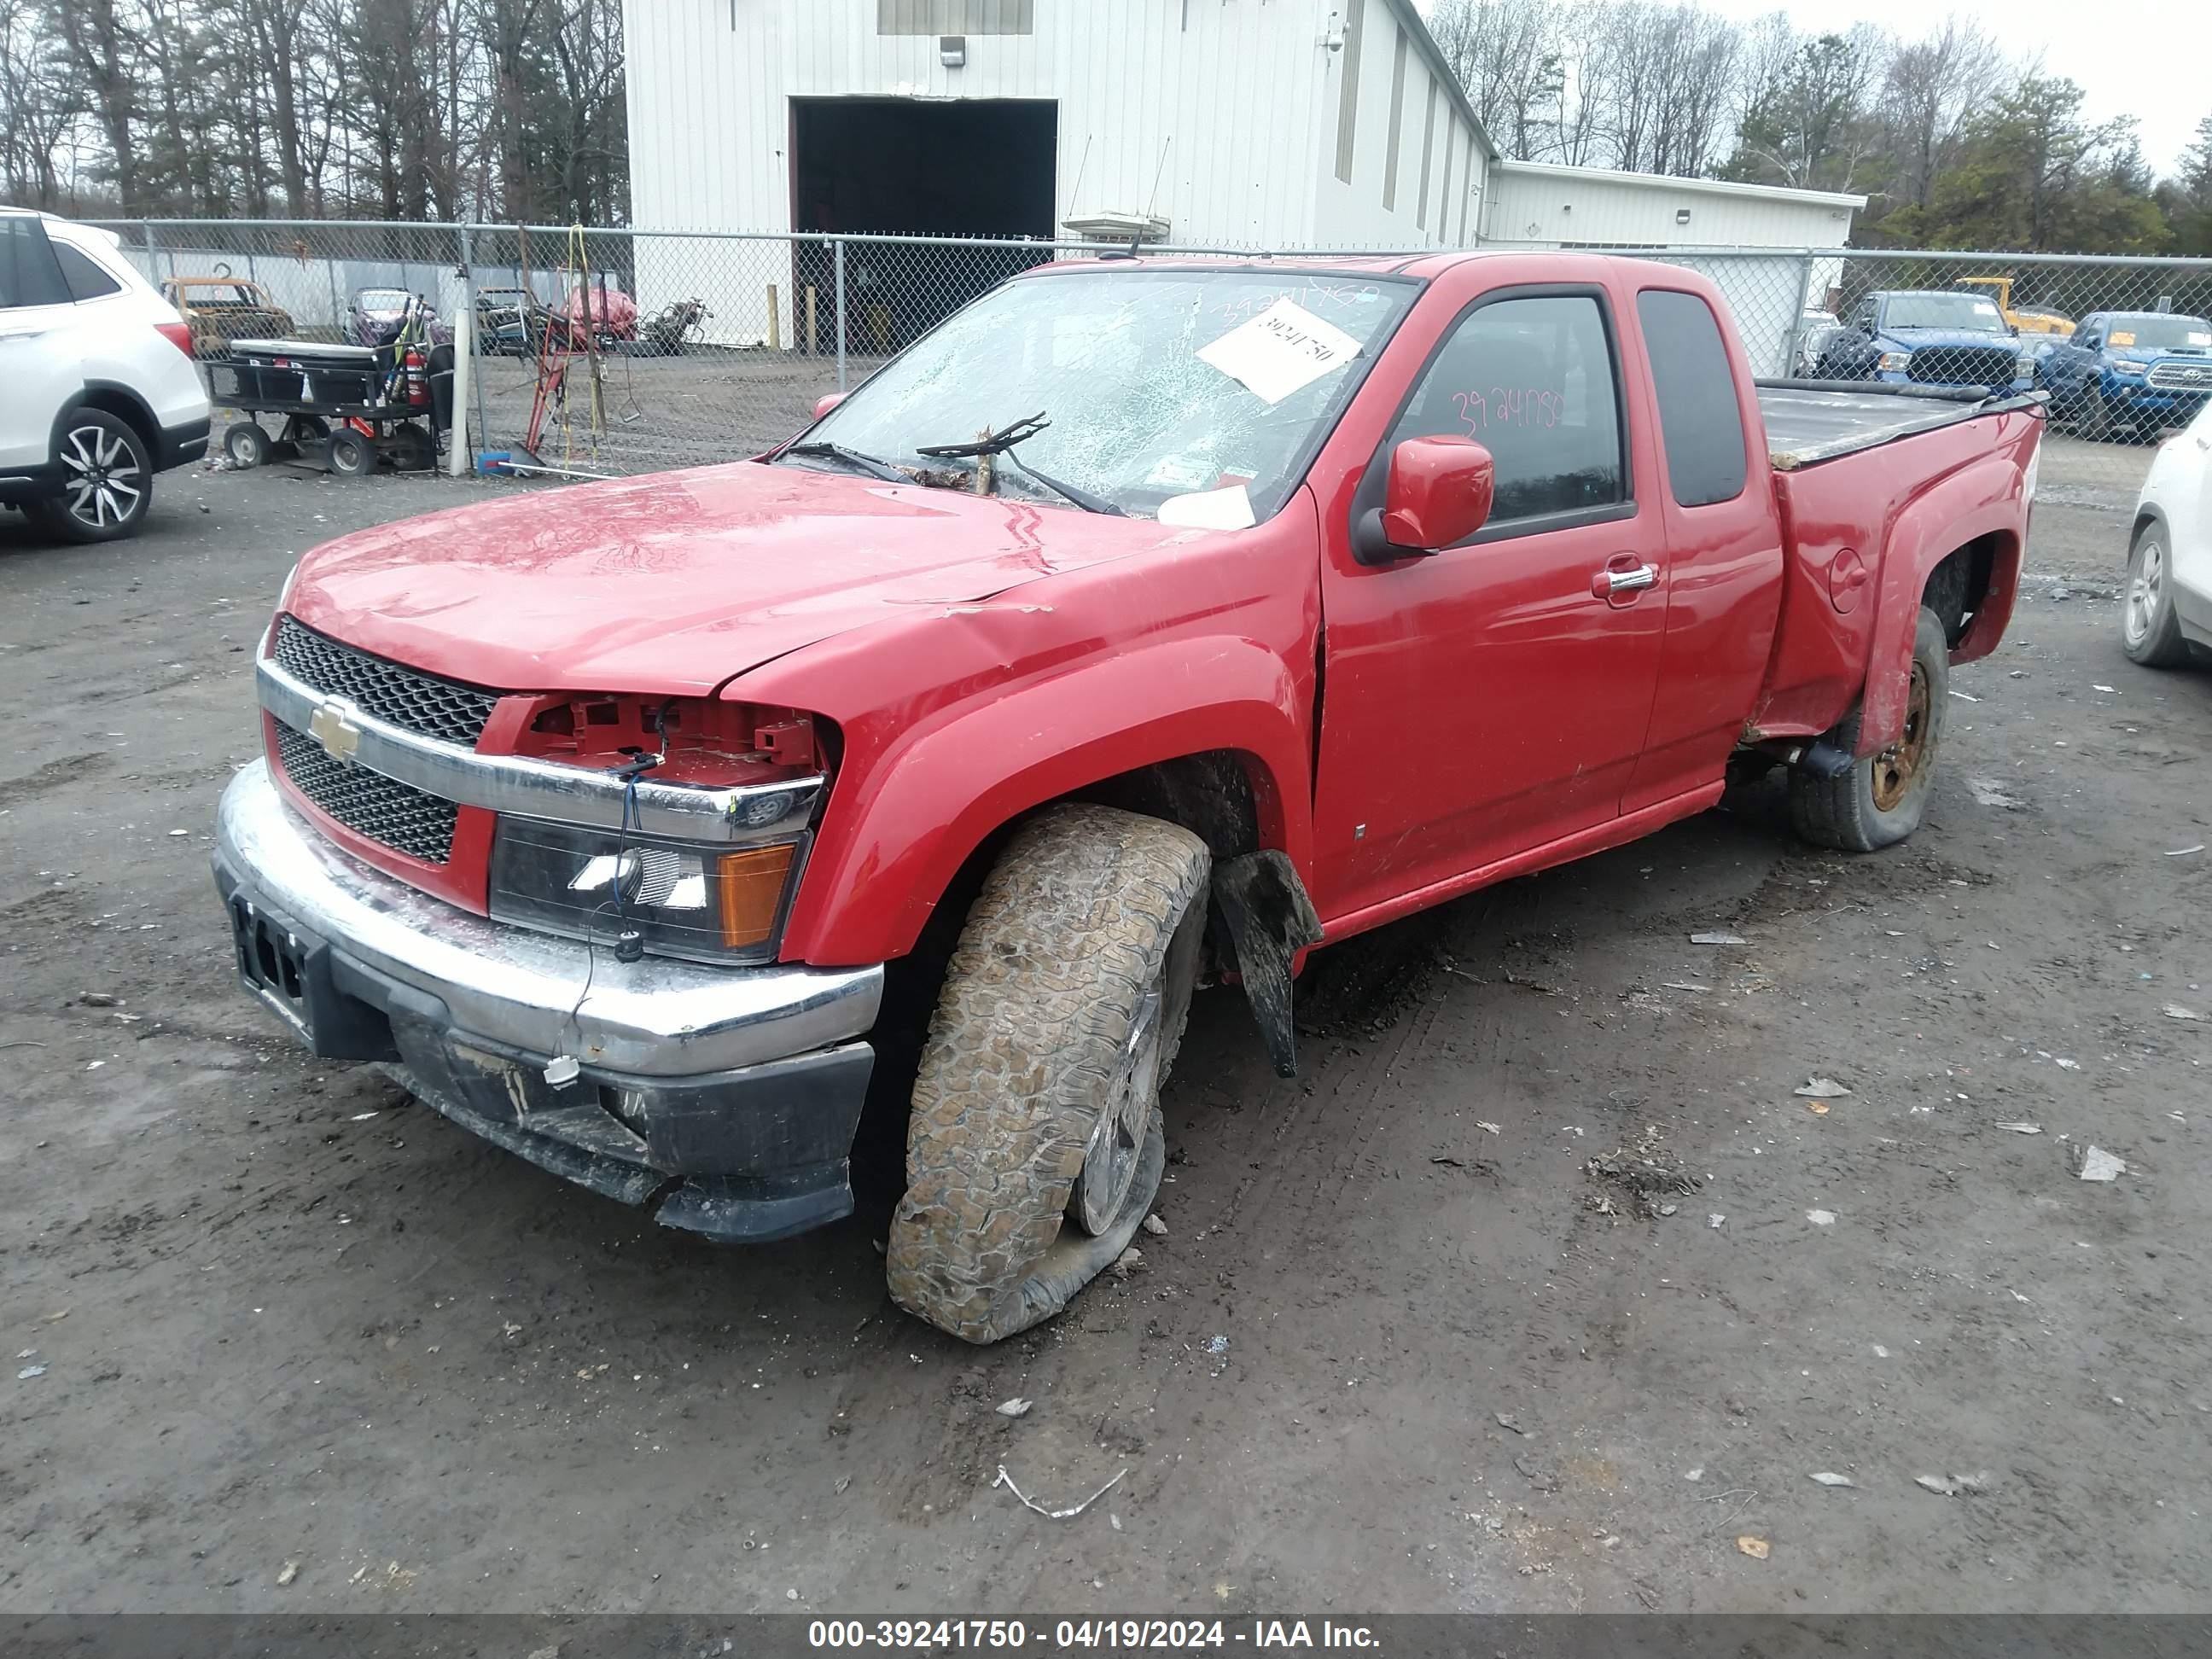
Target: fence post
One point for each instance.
(465, 379)
(153, 265)
(476, 380)
(839, 245)
(1795, 347)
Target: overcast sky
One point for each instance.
(2149, 58)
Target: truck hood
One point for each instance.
(670, 585)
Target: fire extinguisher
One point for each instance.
(418, 379)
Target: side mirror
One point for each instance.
(1439, 492)
(828, 401)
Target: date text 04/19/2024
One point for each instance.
(1086, 1635)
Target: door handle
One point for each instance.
(1621, 577)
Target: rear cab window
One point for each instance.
(1700, 416)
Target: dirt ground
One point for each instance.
(1393, 1352)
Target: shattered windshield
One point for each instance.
(1194, 396)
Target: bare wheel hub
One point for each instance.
(1898, 766)
(1125, 1117)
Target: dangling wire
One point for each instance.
(572, 1029)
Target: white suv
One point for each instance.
(2167, 617)
(102, 391)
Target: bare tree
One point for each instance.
(1933, 87)
(40, 102)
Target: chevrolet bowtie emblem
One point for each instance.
(330, 727)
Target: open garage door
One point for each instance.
(902, 166)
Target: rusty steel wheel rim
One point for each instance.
(1897, 766)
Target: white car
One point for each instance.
(2167, 616)
(101, 390)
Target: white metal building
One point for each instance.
(1244, 122)
(1283, 123)
(1543, 204)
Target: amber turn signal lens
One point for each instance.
(751, 888)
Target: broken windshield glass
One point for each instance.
(1193, 396)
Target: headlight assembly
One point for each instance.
(682, 898)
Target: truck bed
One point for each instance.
(1808, 421)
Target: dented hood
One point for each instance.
(669, 585)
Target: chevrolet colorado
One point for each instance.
(1147, 622)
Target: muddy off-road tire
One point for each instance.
(1035, 1147)
(1879, 802)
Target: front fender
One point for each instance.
(1986, 497)
(895, 836)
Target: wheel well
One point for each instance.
(127, 407)
(2145, 518)
(1957, 586)
(1209, 794)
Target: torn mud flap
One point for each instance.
(1270, 919)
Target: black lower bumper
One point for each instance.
(182, 444)
(744, 1155)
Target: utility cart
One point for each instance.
(352, 405)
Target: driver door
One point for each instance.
(1493, 697)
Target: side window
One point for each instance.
(1532, 380)
(1700, 417)
(86, 280)
(28, 275)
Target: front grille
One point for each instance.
(405, 696)
(369, 804)
(1964, 366)
(2181, 377)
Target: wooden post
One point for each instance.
(811, 338)
(774, 322)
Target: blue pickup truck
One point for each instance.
(2140, 370)
(1927, 338)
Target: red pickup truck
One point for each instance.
(1147, 622)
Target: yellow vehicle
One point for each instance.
(2022, 322)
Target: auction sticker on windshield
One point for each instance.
(1284, 347)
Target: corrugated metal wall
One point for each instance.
(1202, 111)
(1543, 207)
(1429, 203)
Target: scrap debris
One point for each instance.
(2022, 1128)
(1648, 1174)
(1955, 1485)
(1015, 1407)
(1717, 938)
(1007, 1481)
(2098, 1165)
(1829, 1478)
(1753, 1546)
(1821, 1088)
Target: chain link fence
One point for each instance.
(604, 351)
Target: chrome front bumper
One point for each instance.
(727, 1097)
